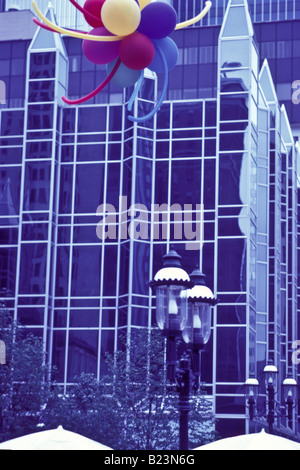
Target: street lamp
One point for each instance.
(289, 387)
(170, 284)
(290, 392)
(252, 386)
(271, 373)
(198, 327)
(183, 309)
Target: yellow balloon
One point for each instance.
(144, 3)
(121, 17)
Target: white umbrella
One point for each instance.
(256, 441)
(55, 439)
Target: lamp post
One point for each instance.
(183, 308)
(289, 387)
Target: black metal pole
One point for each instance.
(271, 407)
(290, 405)
(183, 387)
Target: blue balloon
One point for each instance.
(124, 77)
(171, 54)
(163, 93)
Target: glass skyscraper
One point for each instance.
(222, 147)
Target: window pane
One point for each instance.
(86, 271)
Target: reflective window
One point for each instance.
(31, 315)
(143, 182)
(186, 182)
(39, 149)
(37, 186)
(41, 91)
(82, 353)
(33, 268)
(84, 318)
(42, 65)
(109, 274)
(141, 260)
(58, 359)
(86, 269)
(62, 271)
(91, 119)
(231, 354)
(90, 153)
(8, 260)
(12, 123)
(40, 116)
(90, 177)
(10, 181)
(232, 253)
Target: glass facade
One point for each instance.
(261, 10)
(90, 202)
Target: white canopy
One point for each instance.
(56, 439)
(256, 441)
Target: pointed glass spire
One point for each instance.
(44, 39)
(237, 21)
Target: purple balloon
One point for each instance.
(100, 52)
(158, 20)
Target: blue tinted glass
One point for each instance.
(42, 65)
(230, 178)
(40, 116)
(41, 91)
(10, 178)
(232, 252)
(231, 354)
(113, 184)
(141, 261)
(62, 271)
(84, 318)
(186, 182)
(82, 353)
(8, 260)
(12, 123)
(107, 346)
(86, 269)
(91, 119)
(37, 186)
(31, 316)
(39, 149)
(91, 153)
(33, 268)
(143, 182)
(90, 177)
(110, 270)
(187, 115)
(58, 359)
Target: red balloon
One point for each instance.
(100, 52)
(137, 51)
(94, 7)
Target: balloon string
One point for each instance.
(74, 34)
(163, 94)
(135, 92)
(42, 25)
(98, 89)
(197, 18)
(85, 12)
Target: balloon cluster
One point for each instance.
(128, 36)
(143, 30)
